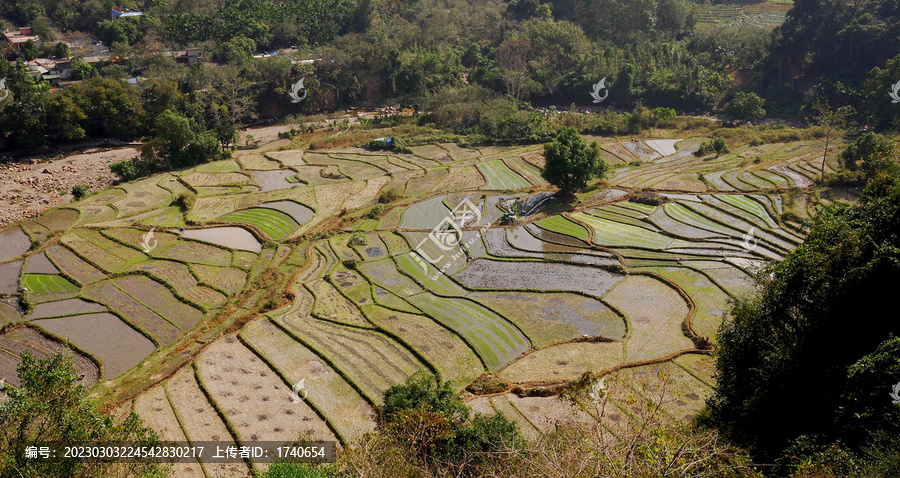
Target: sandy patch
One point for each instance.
(664, 147)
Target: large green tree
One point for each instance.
(571, 163)
(784, 356)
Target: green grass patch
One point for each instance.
(47, 284)
(501, 178)
(275, 224)
(561, 225)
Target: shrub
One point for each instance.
(80, 191)
(125, 169)
(358, 239)
(745, 106)
(648, 197)
(376, 211)
(719, 145)
(389, 196)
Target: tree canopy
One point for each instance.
(571, 163)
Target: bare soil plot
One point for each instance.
(19, 339)
(257, 162)
(153, 406)
(331, 197)
(564, 361)
(343, 407)
(733, 280)
(105, 336)
(331, 305)
(200, 421)
(143, 195)
(39, 264)
(65, 307)
(194, 252)
(537, 276)
(230, 237)
(160, 299)
(501, 405)
(356, 170)
(73, 266)
(464, 177)
(443, 349)
(384, 273)
(58, 219)
(229, 280)
(701, 366)
(368, 195)
(432, 152)
(421, 185)
(100, 251)
(655, 312)
(549, 318)
(209, 208)
(9, 277)
(179, 277)
(13, 243)
(253, 398)
(108, 294)
(225, 166)
(683, 395)
(10, 311)
(546, 412)
(273, 180)
(372, 361)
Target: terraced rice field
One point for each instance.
(264, 288)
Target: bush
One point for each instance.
(649, 198)
(389, 196)
(125, 169)
(80, 191)
(376, 211)
(745, 106)
(358, 239)
(719, 145)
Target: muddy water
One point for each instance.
(13, 242)
(230, 237)
(299, 212)
(537, 276)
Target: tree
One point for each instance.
(512, 57)
(784, 357)
(870, 152)
(79, 191)
(833, 123)
(51, 406)
(745, 106)
(571, 163)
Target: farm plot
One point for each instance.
(612, 233)
(548, 318)
(661, 219)
(13, 243)
(449, 354)
(198, 179)
(426, 214)
(230, 237)
(685, 215)
(275, 224)
(199, 420)
(436, 282)
(16, 340)
(494, 338)
(352, 286)
(153, 406)
(711, 301)
(564, 361)
(331, 305)
(194, 252)
(257, 162)
(9, 277)
(225, 166)
(228, 280)
(40, 284)
(234, 377)
(343, 407)
(159, 299)
(643, 151)
(39, 264)
(460, 178)
(529, 171)
(460, 153)
(10, 312)
(747, 203)
(356, 170)
(100, 251)
(537, 276)
(422, 185)
(433, 152)
(142, 196)
(655, 312)
(105, 336)
(731, 279)
(179, 277)
(370, 360)
(563, 226)
(300, 213)
(73, 266)
(136, 313)
(501, 178)
(58, 219)
(63, 308)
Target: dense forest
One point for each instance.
(426, 54)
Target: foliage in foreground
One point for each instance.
(51, 406)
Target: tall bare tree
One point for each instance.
(833, 122)
(512, 56)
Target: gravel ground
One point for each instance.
(30, 187)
